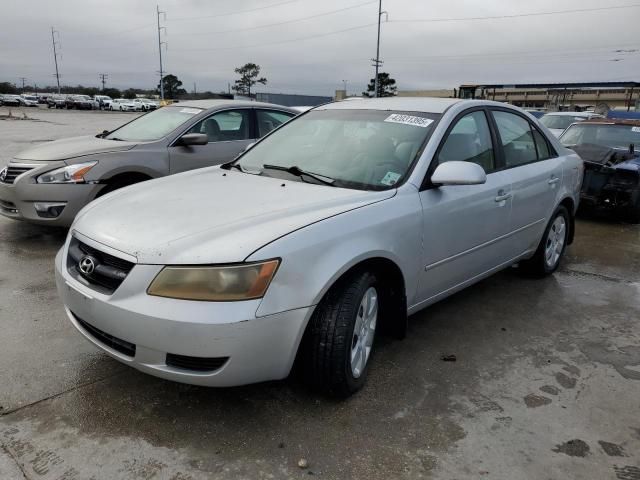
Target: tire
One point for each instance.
(339, 328)
(549, 254)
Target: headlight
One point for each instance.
(71, 174)
(215, 284)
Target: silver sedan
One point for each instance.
(328, 232)
(50, 183)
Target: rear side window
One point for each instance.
(517, 140)
(469, 141)
(541, 144)
(270, 120)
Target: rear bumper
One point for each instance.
(252, 349)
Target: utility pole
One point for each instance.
(55, 57)
(376, 61)
(160, 42)
(103, 78)
(194, 88)
(23, 80)
(344, 84)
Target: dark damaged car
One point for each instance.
(609, 149)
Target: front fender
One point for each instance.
(314, 257)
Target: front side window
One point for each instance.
(226, 126)
(270, 120)
(517, 140)
(154, 125)
(470, 141)
(360, 149)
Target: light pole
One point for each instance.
(376, 61)
(160, 42)
(344, 84)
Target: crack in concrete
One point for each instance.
(600, 276)
(59, 394)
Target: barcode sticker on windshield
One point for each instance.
(390, 178)
(192, 111)
(409, 120)
(635, 129)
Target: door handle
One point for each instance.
(502, 196)
(553, 180)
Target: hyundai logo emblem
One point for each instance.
(3, 174)
(87, 265)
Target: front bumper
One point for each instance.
(17, 200)
(255, 349)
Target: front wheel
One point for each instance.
(341, 335)
(547, 258)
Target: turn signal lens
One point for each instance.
(215, 284)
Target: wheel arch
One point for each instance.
(570, 205)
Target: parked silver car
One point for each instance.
(50, 183)
(332, 228)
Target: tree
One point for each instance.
(112, 92)
(130, 93)
(171, 86)
(6, 87)
(386, 86)
(248, 78)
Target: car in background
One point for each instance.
(51, 182)
(122, 105)
(104, 101)
(27, 102)
(80, 102)
(327, 232)
(610, 149)
(535, 113)
(11, 100)
(144, 104)
(557, 122)
(56, 101)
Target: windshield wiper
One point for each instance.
(298, 172)
(116, 139)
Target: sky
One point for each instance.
(312, 47)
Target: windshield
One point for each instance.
(612, 136)
(154, 125)
(362, 149)
(559, 121)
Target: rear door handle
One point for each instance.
(553, 180)
(502, 196)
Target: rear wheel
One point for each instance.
(547, 258)
(341, 335)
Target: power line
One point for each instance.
(265, 44)
(286, 22)
(517, 15)
(238, 12)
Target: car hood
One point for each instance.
(73, 147)
(211, 215)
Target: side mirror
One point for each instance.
(459, 173)
(194, 139)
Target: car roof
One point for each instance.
(574, 114)
(611, 121)
(219, 103)
(407, 104)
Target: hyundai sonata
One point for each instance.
(327, 232)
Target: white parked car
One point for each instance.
(122, 104)
(144, 104)
(104, 101)
(329, 231)
(557, 122)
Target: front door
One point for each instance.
(229, 133)
(464, 226)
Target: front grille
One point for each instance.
(119, 345)
(108, 273)
(196, 364)
(14, 172)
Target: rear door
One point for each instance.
(229, 132)
(464, 226)
(536, 174)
